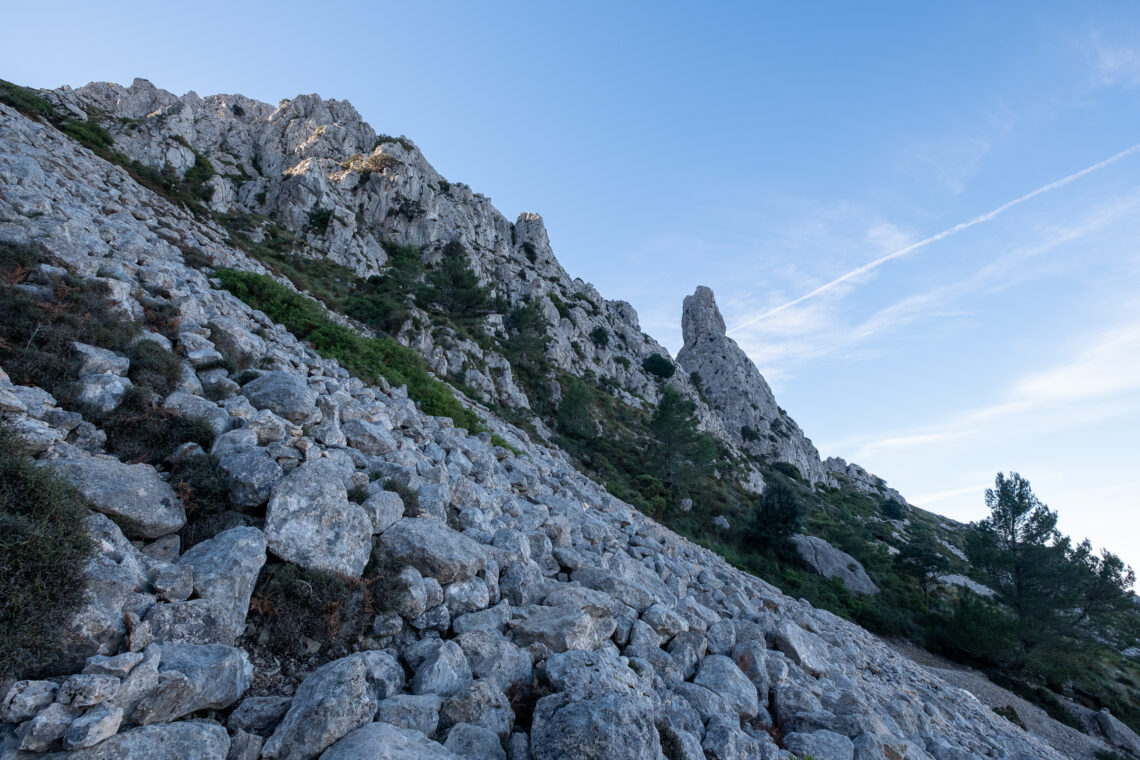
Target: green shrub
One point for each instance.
(368, 358)
(600, 337)
(88, 133)
(559, 304)
(43, 550)
(319, 219)
(893, 510)
(154, 367)
(358, 494)
(403, 141)
(453, 290)
(658, 365)
(200, 172)
(500, 441)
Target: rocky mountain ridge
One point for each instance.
(525, 612)
(309, 156)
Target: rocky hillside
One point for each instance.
(277, 553)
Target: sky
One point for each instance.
(921, 221)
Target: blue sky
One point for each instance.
(766, 150)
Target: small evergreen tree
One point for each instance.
(683, 451)
(920, 561)
(574, 418)
(778, 516)
(453, 289)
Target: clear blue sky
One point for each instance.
(765, 150)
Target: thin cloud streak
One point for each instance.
(1106, 376)
(870, 266)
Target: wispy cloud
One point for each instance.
(1116, 64)
(817, 329)
(926, 500)
(857, 274)
(1099, 381)
(953, 162)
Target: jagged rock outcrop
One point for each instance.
(738, 393)
(532, 608)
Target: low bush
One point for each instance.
(660, 366)
(43, 550)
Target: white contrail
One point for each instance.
(941, 235)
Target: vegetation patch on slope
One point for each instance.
(369, 358)
(43, 550)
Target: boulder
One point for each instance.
(804, 648)
(611, 727)
(311, 522)
(133, 495)
(443, 673)
(433, 548)
(384, 509)
(419, 712)
(335, 699)
(26, 698)
(380, 741)
(99, 361)
(251, 474)
(284, 394)
(191, 405)
(225, 570)
(720, 675)
(830, 562)
(188, 740)
(565, 627)
(474, 743)
(103, 393)
(92, 727)
(822, 743)
(368, 437)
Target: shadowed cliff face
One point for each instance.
(738, 393)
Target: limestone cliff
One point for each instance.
(738, 393)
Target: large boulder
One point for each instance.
(335, 699)
(611, 727)
(720, 675)
(193, 678)
(188, 740)
(225, 570)
(434, 549)
(566, 627)
(381, 741)
(602, 711)
(283, 394)
(251, 473)
(830, 562)
(133, 495)
(311, 522)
